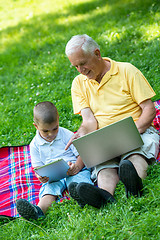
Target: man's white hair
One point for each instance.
(84, 42)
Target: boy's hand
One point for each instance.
(74, 169)
(42, 179)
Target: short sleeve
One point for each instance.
(35, 155)
(79, 98)
(140, 89)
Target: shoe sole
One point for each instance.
(26, 209)
(93, 195)
(72, 188)
(129, 177)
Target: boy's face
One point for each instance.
(48, 131)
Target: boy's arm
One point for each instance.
(75, 167)
(35, 160)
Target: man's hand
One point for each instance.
(75, 136)
(74, 169)
(88, 125)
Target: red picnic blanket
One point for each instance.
(17, 179)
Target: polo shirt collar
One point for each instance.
(42, 141)
(114, 67)
(113, 71)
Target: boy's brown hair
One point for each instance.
(45, 112)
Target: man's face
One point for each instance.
(86, 64)
(48, 131)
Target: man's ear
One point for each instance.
(97, 53)
(35, 125)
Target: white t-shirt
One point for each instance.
(42, 152)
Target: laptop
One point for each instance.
(108, 142)
(56, 170)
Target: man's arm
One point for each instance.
(89, 124)
(147, 115)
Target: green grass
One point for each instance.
(128, 219)
(34, 68)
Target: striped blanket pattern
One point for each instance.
(17, 178)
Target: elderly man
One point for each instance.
(104, 92)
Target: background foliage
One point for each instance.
(33, 65)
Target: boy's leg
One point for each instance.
(47, 195)
(27, 210)
(30, 211)
(83, 176)
(46, 202)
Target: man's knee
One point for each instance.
(140, 164)
(108, 173)
(107, 179)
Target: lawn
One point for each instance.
(34, 68)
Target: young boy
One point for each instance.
(49, 143)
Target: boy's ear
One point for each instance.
(35, 125)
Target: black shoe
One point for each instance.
(27, 210)
(132, 182)
(74, 194)
(93, 195)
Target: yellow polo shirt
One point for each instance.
(117, 96)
